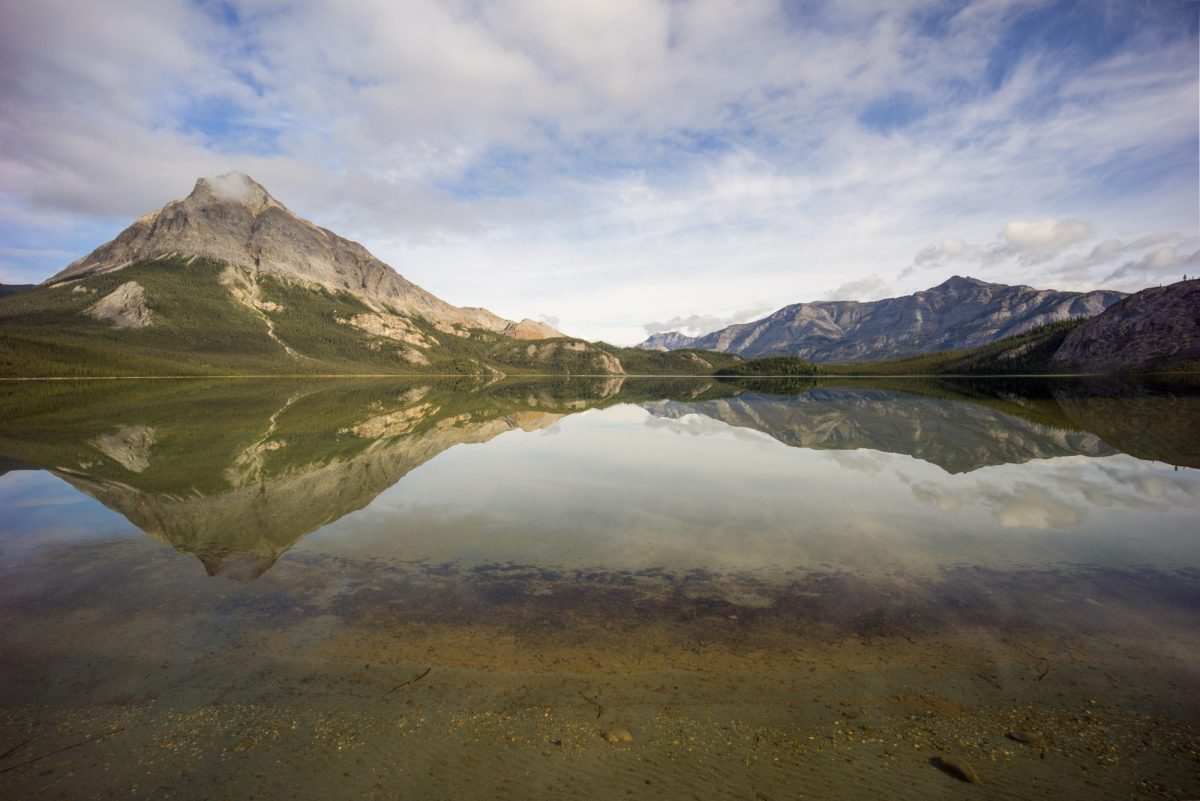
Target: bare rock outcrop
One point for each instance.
(124, 307)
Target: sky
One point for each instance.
(624, 167)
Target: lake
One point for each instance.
(600, 588)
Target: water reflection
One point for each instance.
(237, 472)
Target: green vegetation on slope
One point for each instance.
(1021, 354)
(772, 366)
(1024, 353)
(200, 329)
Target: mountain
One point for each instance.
(959, 313)
(1028, 353)
(1156, 328)
(233, 219)
(229, 281)
(669, 340)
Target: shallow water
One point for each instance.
(599, 588)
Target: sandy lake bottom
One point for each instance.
(609, 592)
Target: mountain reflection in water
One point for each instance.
(236, 472)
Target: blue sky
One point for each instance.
(633, 165)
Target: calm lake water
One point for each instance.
(599, 588)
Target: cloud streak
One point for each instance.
(697, 324)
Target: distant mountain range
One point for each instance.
(12, 289)
(959, 313)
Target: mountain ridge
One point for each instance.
(961, 312)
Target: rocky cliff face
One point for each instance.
(233, 219)
(960, 313)
(1158, 327)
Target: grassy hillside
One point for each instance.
(199, 329)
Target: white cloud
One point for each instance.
(1037, 240)
(609, 162)
(949, 251)
(870, 288)
(696, 324)
(1162, 265)
(1049, 246)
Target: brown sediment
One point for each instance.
(280, 688)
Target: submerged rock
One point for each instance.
(957, 767)
(618, 736)
(1026, 737)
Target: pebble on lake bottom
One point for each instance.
(957, 767)
(618, 736)
(1027, 738)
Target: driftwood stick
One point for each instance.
(16, 747)
(593, 701)
(410, 681)
(57, 751)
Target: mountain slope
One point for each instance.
(233, 219)
(959, 313)
(179, 315)
(1152, 329)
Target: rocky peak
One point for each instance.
(666, 340)
(232, 218)
(232, 188)
(960, 281)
